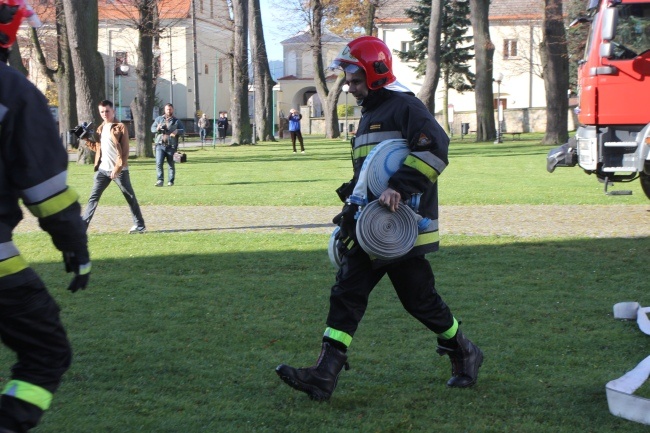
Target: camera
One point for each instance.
(85, 132)
(164, 129)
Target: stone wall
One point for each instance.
(515, 120)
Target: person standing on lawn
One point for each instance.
(222, 126)
(33, 169)
(389, 111)
(111, 146)
(294, 129)
(167, 129)
(203, 127)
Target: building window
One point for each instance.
(509, 48)
(221, 70)
(407, 46)
(201, 5)
(206, 69)
(504, 103)
(120, 59)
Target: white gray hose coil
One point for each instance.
(332, 249)
(380, 164)
(384, 234)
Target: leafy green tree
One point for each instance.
(455, 50)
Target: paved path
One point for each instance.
(500, 220)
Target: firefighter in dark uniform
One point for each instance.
(33, 167)
(389, 111)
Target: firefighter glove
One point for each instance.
(345, 190)
(345, 220)
(79, 263)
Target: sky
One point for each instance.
(273, 33)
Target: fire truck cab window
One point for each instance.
(633, 31)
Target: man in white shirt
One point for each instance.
(112, 164)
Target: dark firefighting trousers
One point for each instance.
(412, 279)
(30, 326)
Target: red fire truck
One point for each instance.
(613, 141)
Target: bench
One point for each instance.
(513, 134)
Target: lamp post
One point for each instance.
(171, 89)
(124, 68)
(499, 79)
(346, 89)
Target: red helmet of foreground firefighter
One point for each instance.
(372, 56)
(12, 13)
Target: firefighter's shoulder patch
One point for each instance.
(422, 140)
(375, 126)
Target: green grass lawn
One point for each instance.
(181, 332)
(270, 174)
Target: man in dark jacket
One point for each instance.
(168, 129)
(33, 168)
(389, 111)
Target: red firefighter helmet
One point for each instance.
(370, 54)
(12, 13)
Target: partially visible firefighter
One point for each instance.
(33, 168)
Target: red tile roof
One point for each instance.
(120, 9)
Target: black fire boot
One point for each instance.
(318, 381)
(466, 358)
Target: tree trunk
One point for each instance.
(263, 81)
(484, 51)
(556, 74)
(445, 107)
(15, 60)
(144, 102)
(62, 75)
(370, 19)
(65, 79)
(241, 127)
(328, 99)
(82, 29)
(427, 93)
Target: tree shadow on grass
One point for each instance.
(164, 337)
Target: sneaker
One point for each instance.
(294, 151)
(159, 183)
(136, 230)
(302, 152)
(170, 183)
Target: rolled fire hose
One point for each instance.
(620, 392)
(380, 164)
(332, 250)
(384, 234)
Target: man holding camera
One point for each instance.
(167, 128)
(111, 146)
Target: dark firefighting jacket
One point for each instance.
(33, 168)
(388, 115)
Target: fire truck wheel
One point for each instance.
(645, 183)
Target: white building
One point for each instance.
(178, 75)
(515, 30)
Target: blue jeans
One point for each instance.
(203, 133)
(165, 153)
(123, 181)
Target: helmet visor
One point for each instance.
(344, 66)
